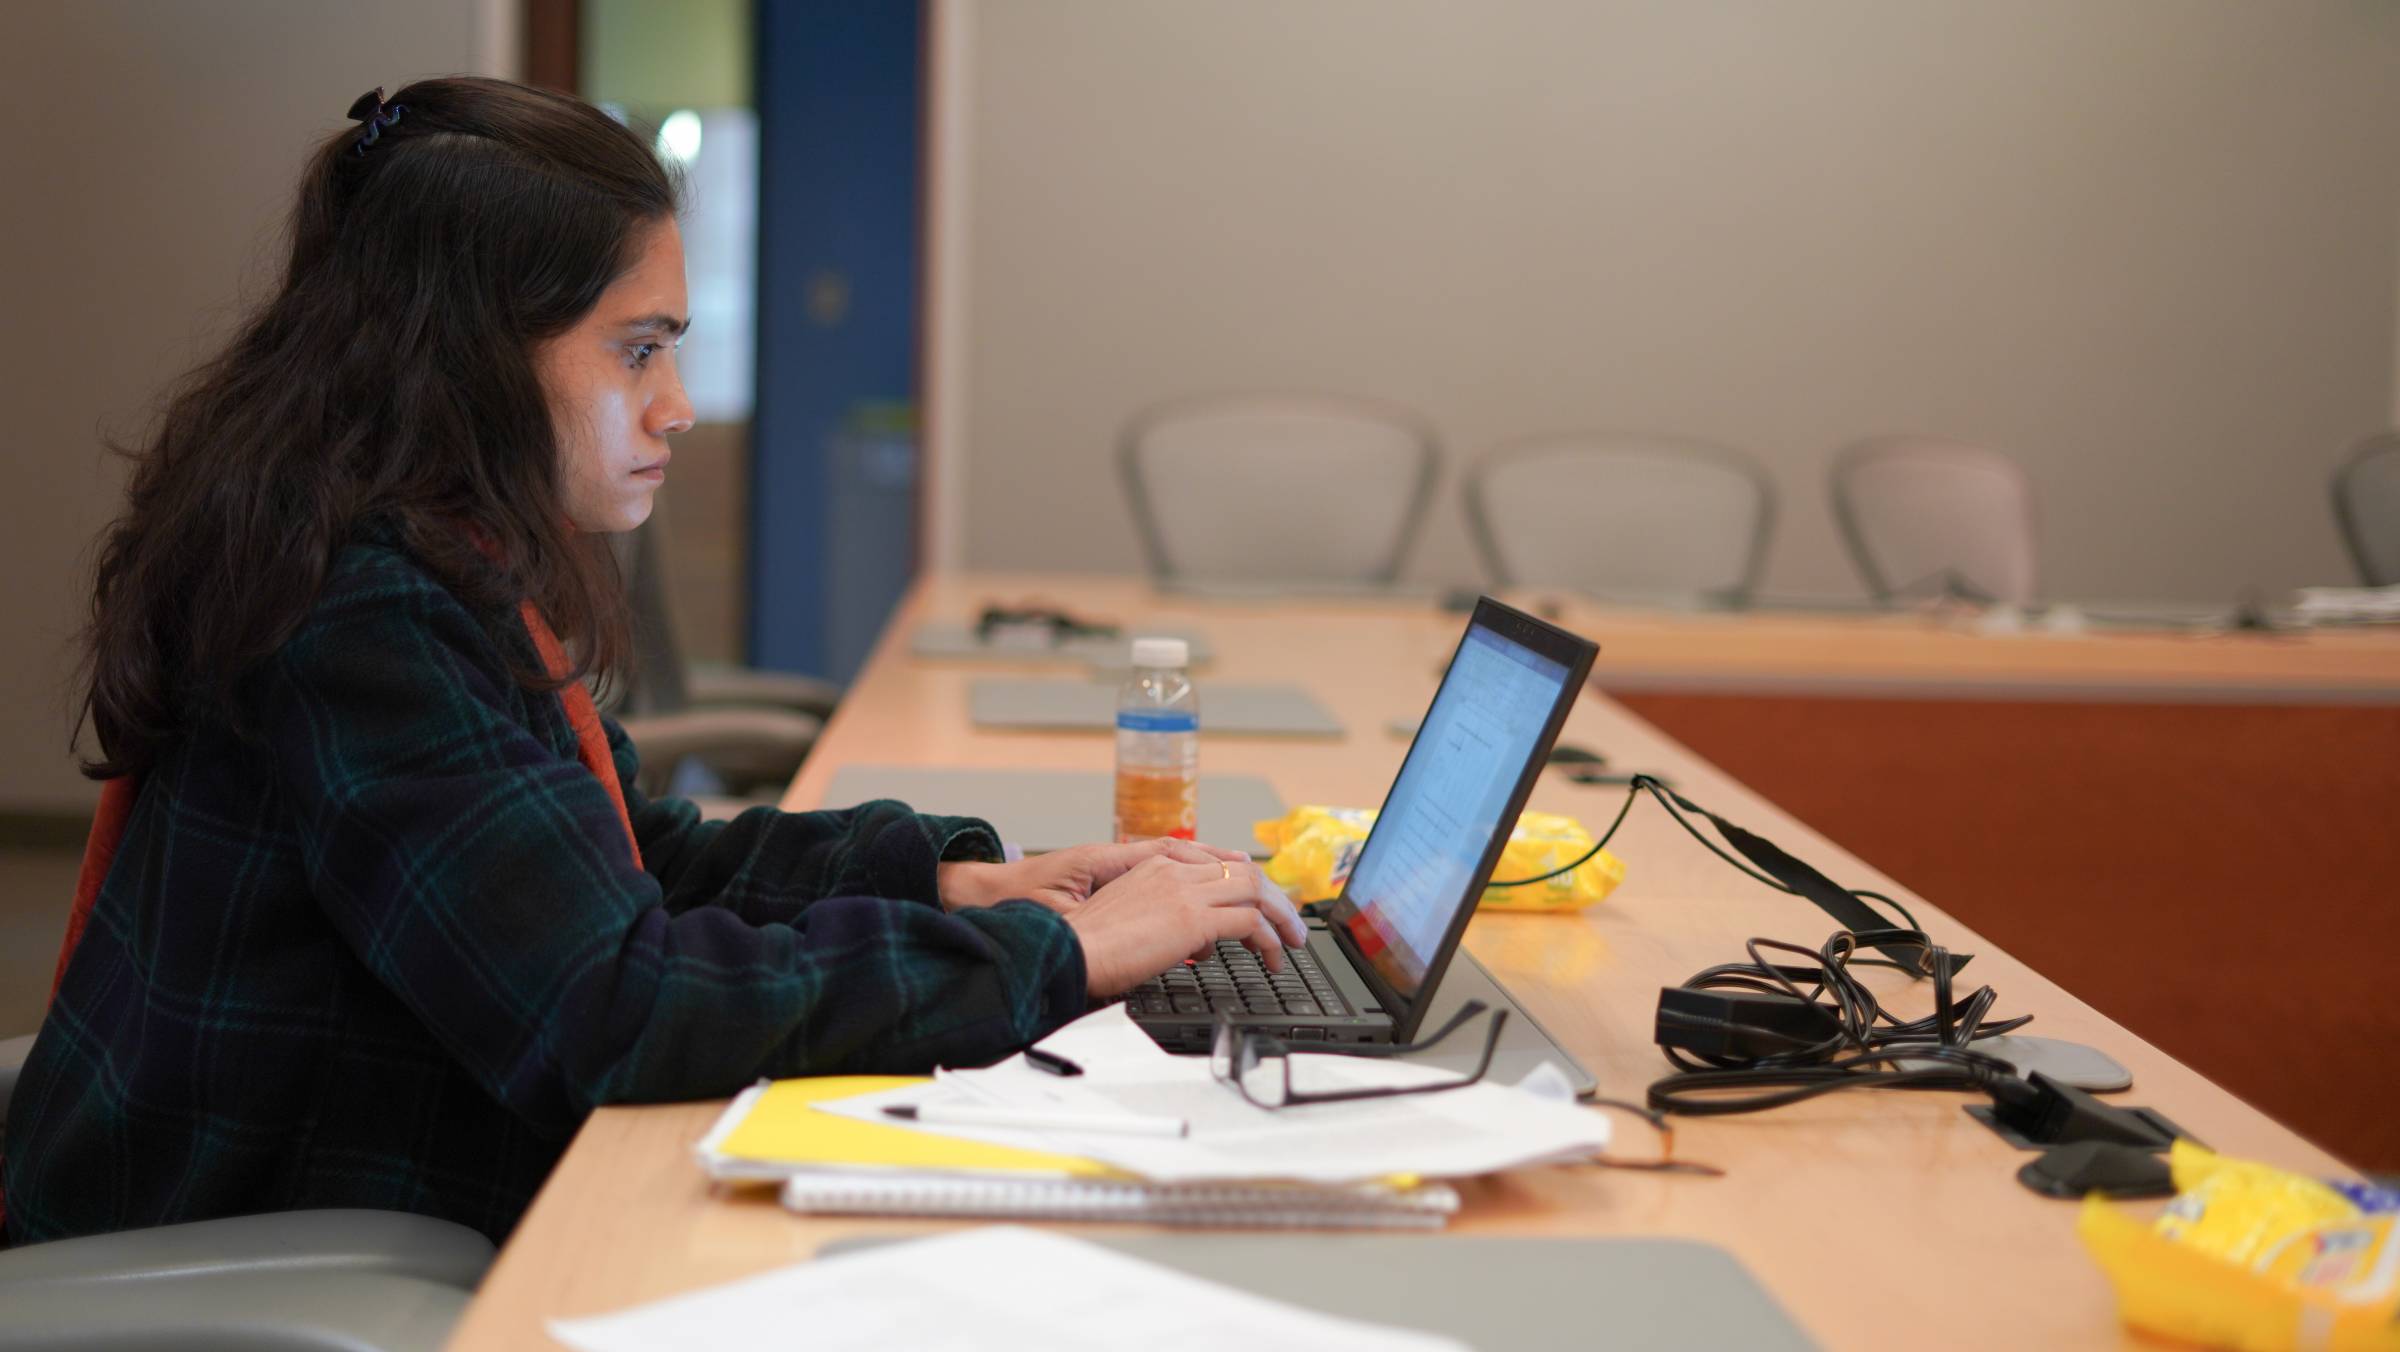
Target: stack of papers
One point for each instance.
(1362, 1164)
(871, 1166)
(998, 1286)
(1459, 1133)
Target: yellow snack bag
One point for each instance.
(2240, 1209)
(2252, 1257)
(1315, 847)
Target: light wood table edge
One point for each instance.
(636, 1160)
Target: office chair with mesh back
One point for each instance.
(750, 728)
(2366, 501)
(1276, 488)
(1927, 516)
(1626, 516)
(338, 1280)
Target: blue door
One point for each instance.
(833, 465)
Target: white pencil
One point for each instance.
(1032, 1119)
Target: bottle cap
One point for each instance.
(1162, 652)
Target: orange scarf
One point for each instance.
(591, 740)
(117, 795)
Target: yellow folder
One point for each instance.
(785, 1127)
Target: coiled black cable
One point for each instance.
(1866, 1042)
(1866, 1045)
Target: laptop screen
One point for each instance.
(1473, 759)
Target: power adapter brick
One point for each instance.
(1738, 1025)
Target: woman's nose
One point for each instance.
(671, 412)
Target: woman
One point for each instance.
(373, 914)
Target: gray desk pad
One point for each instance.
(956, 639)
(1524, 1044)
(1487, 1292)
(1066, 705)
(1038, 810)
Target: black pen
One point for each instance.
(1051, 1061)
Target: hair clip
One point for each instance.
(370, 109)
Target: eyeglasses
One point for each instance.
(1258, 1065)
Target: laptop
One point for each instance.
(1374, 967)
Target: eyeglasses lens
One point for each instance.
(1262, 1075)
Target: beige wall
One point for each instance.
(150, 154)
(2145, 245)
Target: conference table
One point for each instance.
(1876, 1218)
(2144, 813)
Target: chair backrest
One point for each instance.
(1277, 488)
(656, 683)
(2366, 500)
(1628, 515)
(1924, 515)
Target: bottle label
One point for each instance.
(1157, 720)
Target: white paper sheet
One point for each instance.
(1455, 1134)
(998, 1286)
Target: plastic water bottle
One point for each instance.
(1158, 744)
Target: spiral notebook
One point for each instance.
(830, 1165)
(1259, 1206)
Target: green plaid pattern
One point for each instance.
(387, 948)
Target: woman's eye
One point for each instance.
(641, 353)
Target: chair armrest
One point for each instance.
(711, 732)
(773, 689)
(279, 1243)
(743, 746)
(292, 1312)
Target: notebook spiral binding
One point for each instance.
(1253, 1206)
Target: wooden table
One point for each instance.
(2143, 816)
(1960, 655)
(1878, 1219)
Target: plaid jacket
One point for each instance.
(390, 949)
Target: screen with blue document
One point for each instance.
(1415, 872)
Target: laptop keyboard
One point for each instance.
(1234, 981)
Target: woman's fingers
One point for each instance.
(1134, 925)
(1190, 852)
(1266, 943)
(1276, 905)
(1244, 884)
(1109, 862)
(1251, 928)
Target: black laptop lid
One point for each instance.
(1449, 811)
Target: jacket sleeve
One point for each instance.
(767, 866)
(484, 879)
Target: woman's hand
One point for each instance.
(1064, 879)
(1173, 906)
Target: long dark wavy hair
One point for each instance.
(390, 379)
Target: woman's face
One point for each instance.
(615, 395)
